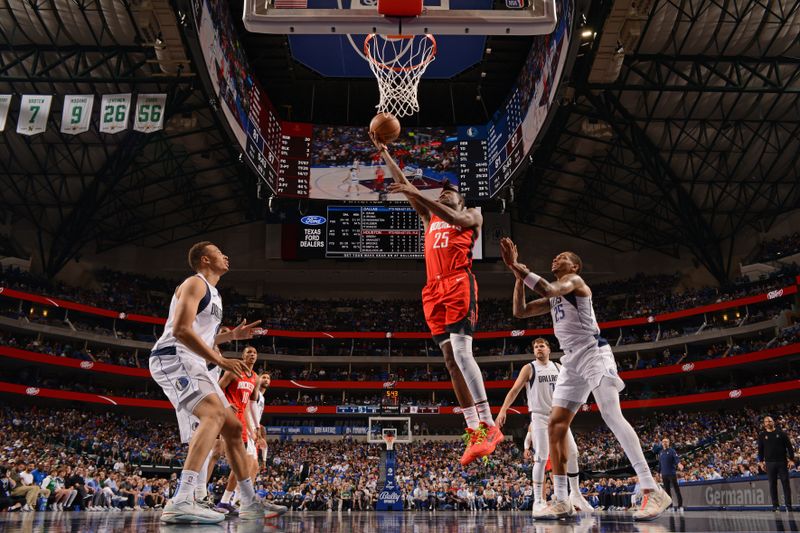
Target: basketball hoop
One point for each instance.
(388, 438)
(398, 62)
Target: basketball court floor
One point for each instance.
(447, 521)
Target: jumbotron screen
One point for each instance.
(301, 160)
(359, 231)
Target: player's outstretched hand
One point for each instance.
(501, 419)
(508, 250)
(527, 454)
(236, 366)
(378, 144)
(245, 331)
(403, 188)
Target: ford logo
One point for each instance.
(313, 220)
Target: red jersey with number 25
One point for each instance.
(238, 394)
(447, 247)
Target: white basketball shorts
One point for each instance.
(581, 372)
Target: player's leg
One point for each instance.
(576, 498)
(541, 446)
(655, 499)
(252, 508)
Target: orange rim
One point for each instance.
(374, 61)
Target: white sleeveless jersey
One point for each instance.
(573, 320)
(206, 323)
(540, 387)
(259, 409)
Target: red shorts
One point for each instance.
(451, 304)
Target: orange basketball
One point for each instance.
(385, 127)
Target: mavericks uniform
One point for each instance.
(238, 393)
(450, 298)
(181, 373)
(540, 390)
(587, 356)
(259, 413)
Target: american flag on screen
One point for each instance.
(291, 4)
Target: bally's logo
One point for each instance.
(311, 409)
(31, 391)
(87, 365)
(389, 497)
(688, 367)
(313, 220)
(774, 294)
(736, 393)
(518, 333)
(389, 384)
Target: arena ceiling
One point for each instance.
(693, 137)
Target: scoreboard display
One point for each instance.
(372, 231)
(359, 232)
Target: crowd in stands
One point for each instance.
(777, 248)
(641, 295)
(88, 460)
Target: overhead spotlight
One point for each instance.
(587, 33)
(620, 49)
(271, 203)
(502, 205)
(483, 74)
(488, 51)
(258, 189)
(241, 157)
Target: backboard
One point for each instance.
(381, 425)
(439, 17)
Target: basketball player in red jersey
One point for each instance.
(450, 300)
(239, 391)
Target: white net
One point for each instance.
(398, 63)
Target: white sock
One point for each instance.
(227, 496)
(485, 413)
(471, 416)
(462, 352)
(201, 490)
(538, 491)
(573, 479)
(246, 492)
(186, 486)
(607, 397)
(538, 477)
(560, 485)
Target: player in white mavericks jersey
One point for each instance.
(178, 364)
(257, 410)
(588, 367)
(539, 379)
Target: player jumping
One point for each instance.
(588, 367)
(450, 300)
(539, 380)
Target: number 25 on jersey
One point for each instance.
(441, 239)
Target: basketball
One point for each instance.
(385, 127)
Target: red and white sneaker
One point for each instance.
(471, 438)
(491, 438)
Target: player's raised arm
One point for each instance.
(466, 218)
(522, 378)
(525, 309)
(400, 177)
(565, 285)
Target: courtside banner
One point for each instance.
(732, 395)
(630, 375)
(5, 105)
(77, 113)
(749, 300)
(33, 112)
